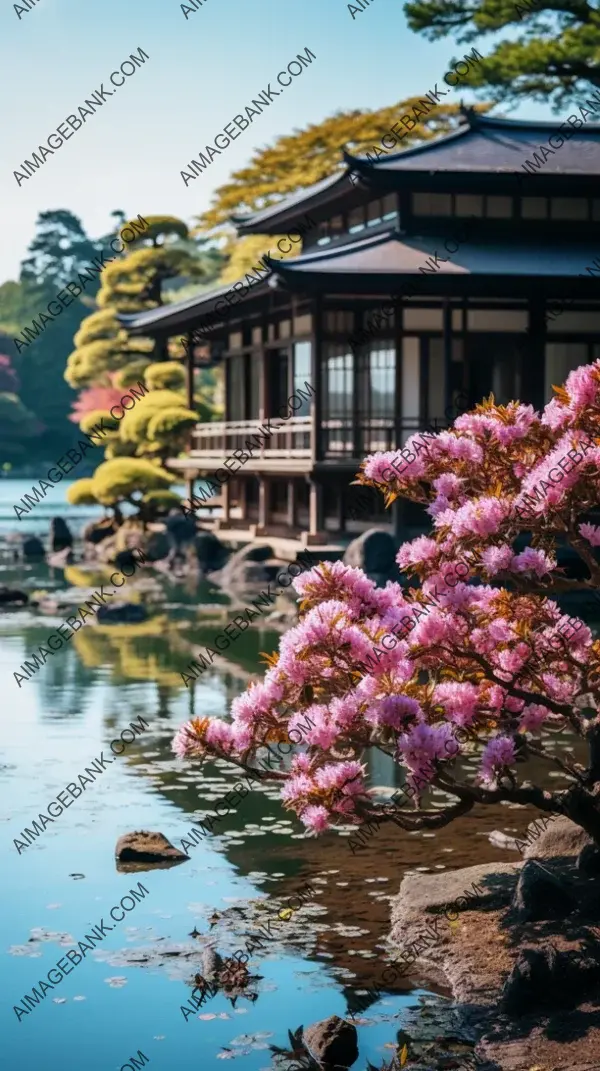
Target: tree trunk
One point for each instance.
(583, 809)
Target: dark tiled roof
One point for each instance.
(288, 209)
(395, 254)
(481, 144)
(180, 315)
(498, 145)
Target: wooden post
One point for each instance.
(291, 504)
(317, 374)
(189, 487)
(447, 353)
(533, 366)
(398, 333)
(262, 505)
(315, 508)
(225, 501)
(243, 498)
(342, 506)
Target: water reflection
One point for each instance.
(325, 960)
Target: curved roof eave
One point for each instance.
(175, 317)
(268, 220)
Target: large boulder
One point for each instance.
(543, 977)
(332, 1042)
(374, 551)
(122, 613)
(588, 861)
(540, 895)
(147, 847)
(181, 530)
(211, 553)
(534, 980)
(247, 567)
(157, 546)
(96, 531)
(561, 837)
(60, 534)
(33, 548)
(126, 559)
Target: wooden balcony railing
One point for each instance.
(218, 440)
(338, 438)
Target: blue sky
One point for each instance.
(202, 70)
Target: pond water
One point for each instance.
(127, 994)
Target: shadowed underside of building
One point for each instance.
(458, 268)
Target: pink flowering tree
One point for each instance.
(474, 660)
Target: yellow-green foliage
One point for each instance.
(90, 420)
(131, 374)
(117, 448)
(171, 424)
(119, 479)
(81, 493)
(130, 284)
(162, 500)
(106, 356)
(156, 226)
(134, 425)
(79, 577)
(87, 363)
(99, 326)
(246, 253)
(165, 375)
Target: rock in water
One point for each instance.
(96, 531)
(157, 546)
(122, 613)
(211, 553)
(12, 597)
(247, 567)
(145, 847)
(33, 548)
(60, 534)
(211, 964)
(332, 1042)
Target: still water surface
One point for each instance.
(125, 996)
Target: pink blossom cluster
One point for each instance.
(409, 670)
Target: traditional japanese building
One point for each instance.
(467, 264)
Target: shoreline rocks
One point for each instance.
(521, 963)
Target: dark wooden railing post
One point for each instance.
(316, 375)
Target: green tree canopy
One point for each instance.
(553, 53)
(17, 427)
(59, 250)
